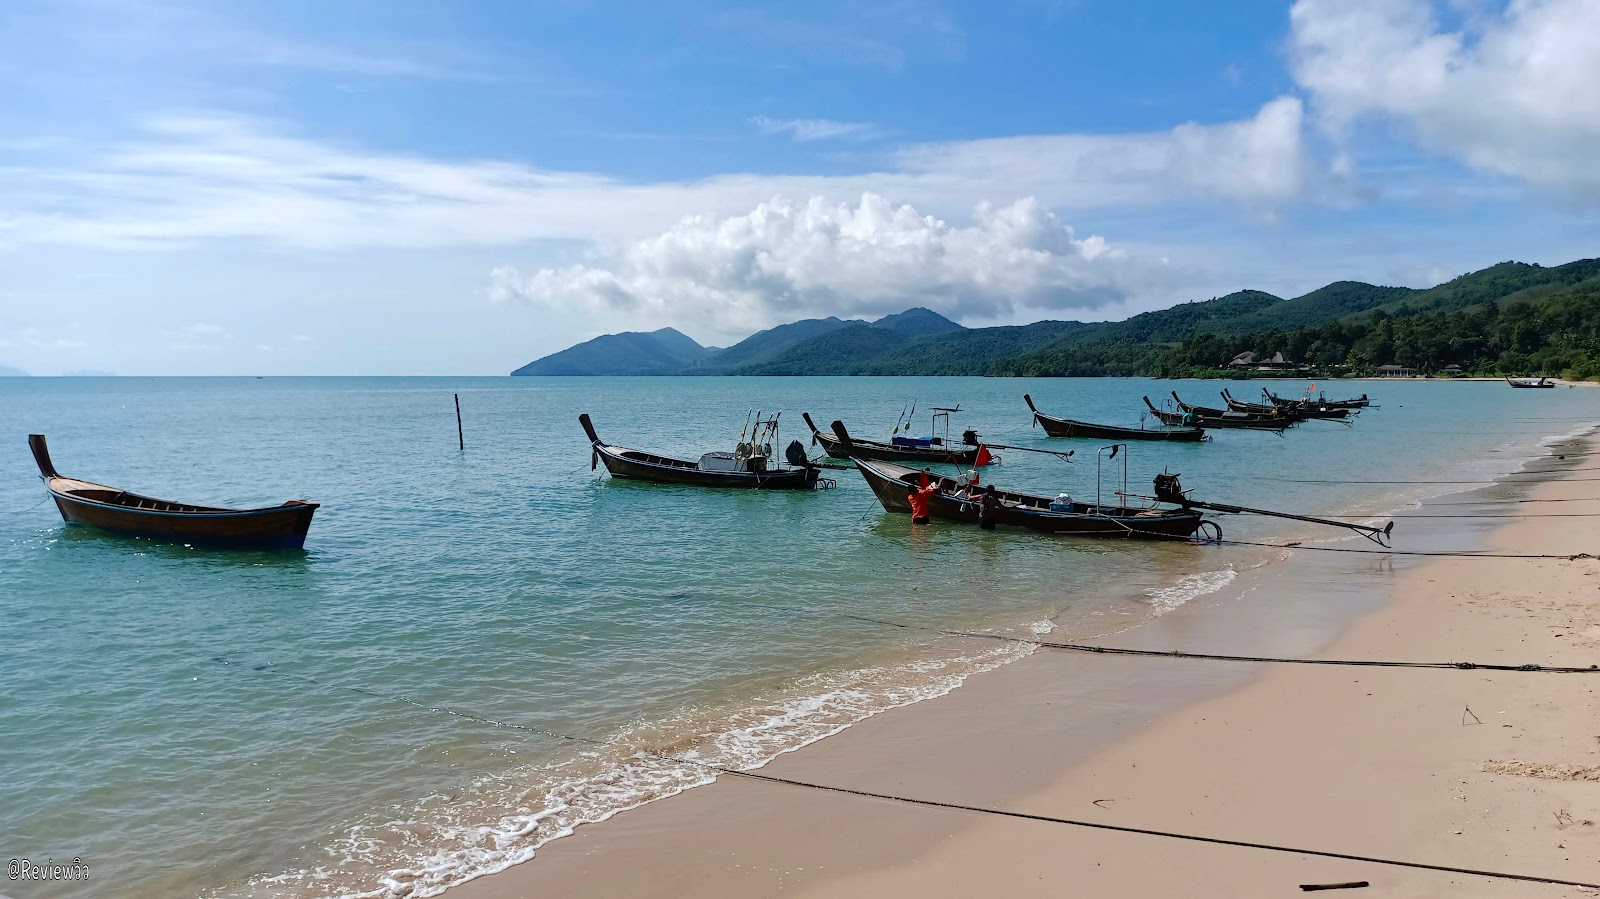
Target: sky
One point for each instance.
(397, 187)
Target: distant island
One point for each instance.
(7, 371)
(1509, 319)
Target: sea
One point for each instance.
(481, 649)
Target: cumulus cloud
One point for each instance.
(1511, 91)
(785, 259)
(805, 130)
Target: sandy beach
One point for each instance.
(1460, 768)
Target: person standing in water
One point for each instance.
(987, 505)
(919, 499)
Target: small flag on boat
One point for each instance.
(924, 482)
(984, 458)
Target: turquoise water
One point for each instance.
(180, 719)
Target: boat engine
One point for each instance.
(796, 453)
(969, 437)
(1168, 490)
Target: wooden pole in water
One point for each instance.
(460, 437)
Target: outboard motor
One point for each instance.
(796, 453)
(969, 437)
(1168, 490)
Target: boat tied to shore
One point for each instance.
(1066, 427)
(1170, 513)
(130, 514)
(1305, 409)
(1534, 383)
(1360, 402)
(750, 466)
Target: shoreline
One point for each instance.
(1061, 715)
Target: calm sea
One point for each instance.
(191, 722)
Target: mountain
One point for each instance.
(764, 346)
(629, 353)
(1346, 323)
(7, 371)
(917, 322)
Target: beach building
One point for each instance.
(1451, 371)
(1395, 371)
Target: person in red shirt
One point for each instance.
(919, 500)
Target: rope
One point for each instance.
(34, 506)
(934, 803)
(1570, 557)
(1219, 657)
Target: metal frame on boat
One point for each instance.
(130, 514)
(748, 467)
(1066, 427)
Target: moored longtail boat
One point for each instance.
(893, 484)
(1066, 427)
(841, 445)
(121, 512)
(1234, 420)
(1360, 402)
(1305, 409)
(748, 467)
(1530, 382)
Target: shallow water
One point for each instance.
(184, 720)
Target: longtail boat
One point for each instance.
(953, 501)
(749, 466)
(841, 445)
(1524, 383)
(1235, 420)
(1066, 427)
(129, 514)
(1305, 409)
(1360, 402)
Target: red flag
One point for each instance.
(983, 456)
(924, 479)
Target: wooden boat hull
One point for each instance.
(1522, 384)
(637, 465)
(892, 485)
(1066, 427)
(279, 527)
(1244, 423)
(1304, 410)
(131, 515)
(840, 445)
(1360, 402)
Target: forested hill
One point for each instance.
(1511, 318)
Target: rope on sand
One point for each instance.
(937, 804)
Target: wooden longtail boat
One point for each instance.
(118, 511)
(1225, 420)
(749, 468)
(893, 484)
(1360, 402)
(1066, 427)
(1305, 410)
(1524, 383)
(840, 445)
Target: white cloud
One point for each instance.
(203, 177)
(1511, 91)
(814, 129)
(785, 259)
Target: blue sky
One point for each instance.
(432, 188)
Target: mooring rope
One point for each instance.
(1219, 657)
(934, 803)
(1570, 557)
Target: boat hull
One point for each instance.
(1066, 427)
(892, 485)
(840, 445)
(278, 527)
(1242, 423)
(624, 464)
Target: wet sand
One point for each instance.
(1374, 762)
